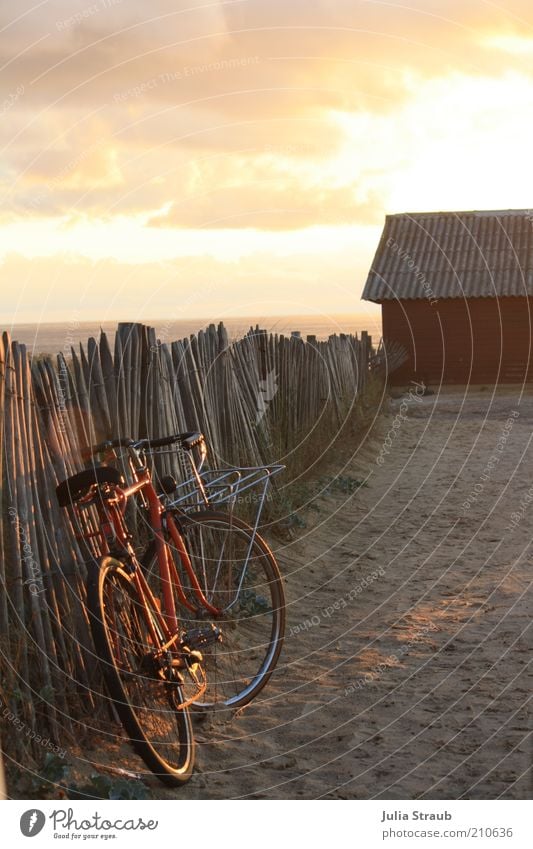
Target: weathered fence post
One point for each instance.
(262, 399)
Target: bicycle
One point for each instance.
(198, 620)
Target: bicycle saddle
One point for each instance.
(75, 487)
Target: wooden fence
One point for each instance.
(258, 399)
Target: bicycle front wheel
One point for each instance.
(146, 698)
(238, 575)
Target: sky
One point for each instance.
(182, 158)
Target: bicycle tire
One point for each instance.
(216, 541)
(160, 731)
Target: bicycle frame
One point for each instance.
(115, 539)
(197, 558)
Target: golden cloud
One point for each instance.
(111, 105)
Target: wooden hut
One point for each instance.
(456, 292)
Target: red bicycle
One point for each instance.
(198, 620)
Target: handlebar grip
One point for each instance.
(188, 440)
(110, 443)
(159, 443)
(191, 439)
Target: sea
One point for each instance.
(50, 338)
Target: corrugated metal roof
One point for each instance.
(453, 255)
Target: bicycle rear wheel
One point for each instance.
(146, 698)
(239, 575)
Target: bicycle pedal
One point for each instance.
(198, 637)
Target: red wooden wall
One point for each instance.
(475, 340)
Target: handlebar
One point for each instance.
(187, 441)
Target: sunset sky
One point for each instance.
(185, 158)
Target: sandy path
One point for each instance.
(417, 684)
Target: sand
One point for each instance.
(406, 669)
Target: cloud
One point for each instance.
(112, 107)
(342, 54)
(267, 192)
(269, 208)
